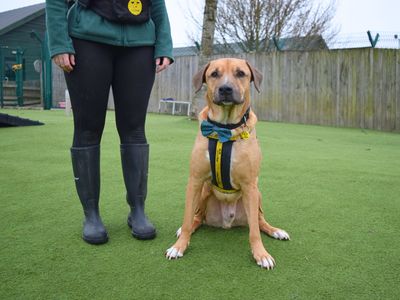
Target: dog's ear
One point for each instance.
(256, 76)
(199, 78)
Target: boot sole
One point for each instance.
(140, 236)
(147, 236)
(95, 241)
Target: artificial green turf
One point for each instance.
(336, 191)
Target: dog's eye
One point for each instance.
(214, 74)
(240, 74)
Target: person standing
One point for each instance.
(101, 44)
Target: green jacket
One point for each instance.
(78, 22)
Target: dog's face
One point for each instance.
(228, 81)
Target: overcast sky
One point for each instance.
(352, 16)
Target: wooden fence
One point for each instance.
(347, 88)
(31, 93)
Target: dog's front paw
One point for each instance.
(177, 250)
(267, 262)
(280, 234)
(173, 253)
(264, 259)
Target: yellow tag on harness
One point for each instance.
(245, 135)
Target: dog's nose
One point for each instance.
(225, 90)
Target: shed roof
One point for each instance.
(12, 19)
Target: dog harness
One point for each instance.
(220, 142)
(220, 159)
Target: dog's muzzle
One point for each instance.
(227, 95)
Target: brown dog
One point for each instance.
(224, 192)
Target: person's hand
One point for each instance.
(162, 63)
(65, 61)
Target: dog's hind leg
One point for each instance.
(274, 232)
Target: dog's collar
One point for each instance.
(232, 126)
(223, 132)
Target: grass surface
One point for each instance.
(336, 191)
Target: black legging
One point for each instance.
(130, 71)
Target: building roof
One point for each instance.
(12, 19)
(285, 44)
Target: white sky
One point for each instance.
(352, 16)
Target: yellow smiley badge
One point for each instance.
(135, 7)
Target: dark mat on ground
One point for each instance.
(13, 121)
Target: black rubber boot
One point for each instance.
(135, 164)
(86, 166)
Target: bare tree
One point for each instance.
(209, 22)
(253, 24)
(206, 47)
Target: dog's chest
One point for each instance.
(225, 208)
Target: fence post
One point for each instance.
(19, 78)
(371, 40)
(276, 43)
(396, 37)
(48, 74)
(46, 70)
(1, 78)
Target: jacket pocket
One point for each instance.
(86, 24)
(141, 34)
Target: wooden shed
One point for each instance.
(21, 33)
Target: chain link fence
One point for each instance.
(383, 40)
(368, 39)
